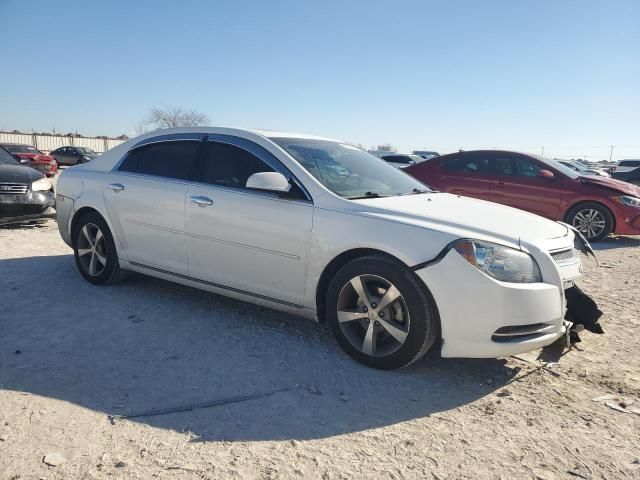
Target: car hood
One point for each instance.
(18, 174)
(467, 217)
(613, 184)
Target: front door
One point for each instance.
(250, 241)
(520, 186)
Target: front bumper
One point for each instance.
(29, 202)
(485, 318)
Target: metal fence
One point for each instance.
(47, 143)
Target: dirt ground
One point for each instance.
(279, 399)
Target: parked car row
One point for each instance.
(48, 164)
(23, 190)
(322, 229)
(596, 206)
(627, 170)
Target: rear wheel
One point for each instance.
(95, 251)
(380, 314)
(592, 219)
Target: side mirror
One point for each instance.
(546, 174)
(270, 181)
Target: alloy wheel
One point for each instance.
(92, 249)
(373, 315)
(589, 222)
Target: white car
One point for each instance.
(322, 229)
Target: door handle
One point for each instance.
(500, 184)
(201, 201)
(116, 187)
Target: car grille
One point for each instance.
(13, 188)
(42, 167)
(565, 257)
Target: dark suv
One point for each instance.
(627, 170)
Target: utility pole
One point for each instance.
(542, 153)
(611, 154)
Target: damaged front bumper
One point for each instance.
(26, 203)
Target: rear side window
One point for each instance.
(170, 159)
(230, 166)
(465, 165)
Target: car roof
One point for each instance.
(485, 151)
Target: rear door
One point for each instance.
(145, 197)
(246, 240)
(465, 174)
(518, 185)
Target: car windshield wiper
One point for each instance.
(367, 195)
(416, 191)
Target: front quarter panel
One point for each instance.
(336, 232)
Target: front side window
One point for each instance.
(169, 159)
(527, 168)
(348, 171)
(229, 166)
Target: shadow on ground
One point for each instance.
(148, 345)
(619, 241)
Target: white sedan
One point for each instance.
(322, 229)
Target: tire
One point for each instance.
(600, 225)
(411, 318)
(99, 266)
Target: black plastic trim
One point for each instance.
(217, 285)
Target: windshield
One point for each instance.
(348, 171)
(85, 151)
(6, 158)
(22, 149)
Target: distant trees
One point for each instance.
(171, 117)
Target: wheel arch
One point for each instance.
(347, 256)
(81, 212)
(584, 201)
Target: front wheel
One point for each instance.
(380, 314)
(592, 219)
(95, 251)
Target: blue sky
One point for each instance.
(442, 74)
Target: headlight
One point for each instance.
(627, 200)
(502, 263)
(86, 158)
(41, 185)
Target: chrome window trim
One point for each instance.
(262, 154)
(257, 150)
(241, 191)
(175, 138)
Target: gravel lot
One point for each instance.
(283, 400)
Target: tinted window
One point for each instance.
(527, 168)
(228, 165)
(171, 159)
(502, 166)
(398, 159)
(629, 163)
(468, 164)
(6, 158)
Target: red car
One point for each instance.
(33, 157)
(596, 206)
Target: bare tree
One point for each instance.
(170, 117)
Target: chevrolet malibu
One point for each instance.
(322, 229)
